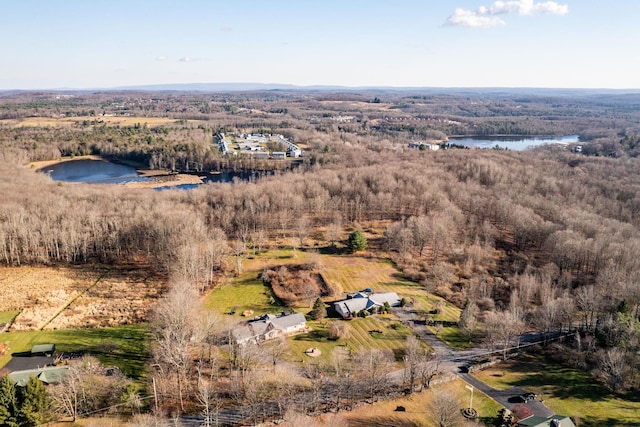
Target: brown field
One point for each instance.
(349, 105)
(77, 297)
(71, 121)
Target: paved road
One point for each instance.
(453, 359)
(508, 398)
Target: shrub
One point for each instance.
(339, 330)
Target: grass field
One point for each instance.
(565, 390)
(347, 273)
(71, 121)
(123, 346)
(381, 332)
(417, 414)
(78, 296)
(7, 316)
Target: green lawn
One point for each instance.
(7, 316)
(567, 391)
(123, 346)
(379, 331)
(345, 272)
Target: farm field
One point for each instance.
(77, 297)
(73, 121)
(565, 390)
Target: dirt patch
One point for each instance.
(77, 297)
(295, 283)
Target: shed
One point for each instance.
(43, 349)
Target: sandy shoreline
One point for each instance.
(157, 178)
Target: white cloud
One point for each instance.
(161, 58)
(473, 19)
(485, 16)
(185, 59)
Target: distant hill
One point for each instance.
(248, 86)
(259, 87)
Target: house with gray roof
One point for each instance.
(552, 421)
(362, 301)
(269, 326)
(48, 375)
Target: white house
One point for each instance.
(362, 301)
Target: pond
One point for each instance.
(93, 171)
(105, 172)
(513, 143)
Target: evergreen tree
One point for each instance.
(8, 403)
(319, 310)
(34, 401)
(357, 241)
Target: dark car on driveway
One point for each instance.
(528, 397)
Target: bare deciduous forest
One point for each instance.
(542, 239)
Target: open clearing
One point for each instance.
(416, 414)
(77, 297)
(565, 390)
(247, 293)
(98, 120)
(124, 346)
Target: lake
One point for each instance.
(105, 172)
(92, 171)
(513, 143)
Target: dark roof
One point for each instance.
(537, 421)
(22, 363)
(50, 375)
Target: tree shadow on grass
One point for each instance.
(331, 250)
(602, 422)
(124, 346)
(314, 335)
(381, 421)
(560, 381)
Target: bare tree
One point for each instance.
(413, 357)
(503, 327)
(468, 319)
(377, 364)
(445, 407)
(419, 227)
(613, 367)
(174, 329)
(429, 369)
(334, 231)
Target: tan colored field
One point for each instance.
(77, 297)
(417, 410)
(347, 105)
(71, 121)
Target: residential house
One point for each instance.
(365, 301)
(268, 327)
(552, 421)
(48, 375)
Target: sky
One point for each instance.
(81, 44)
